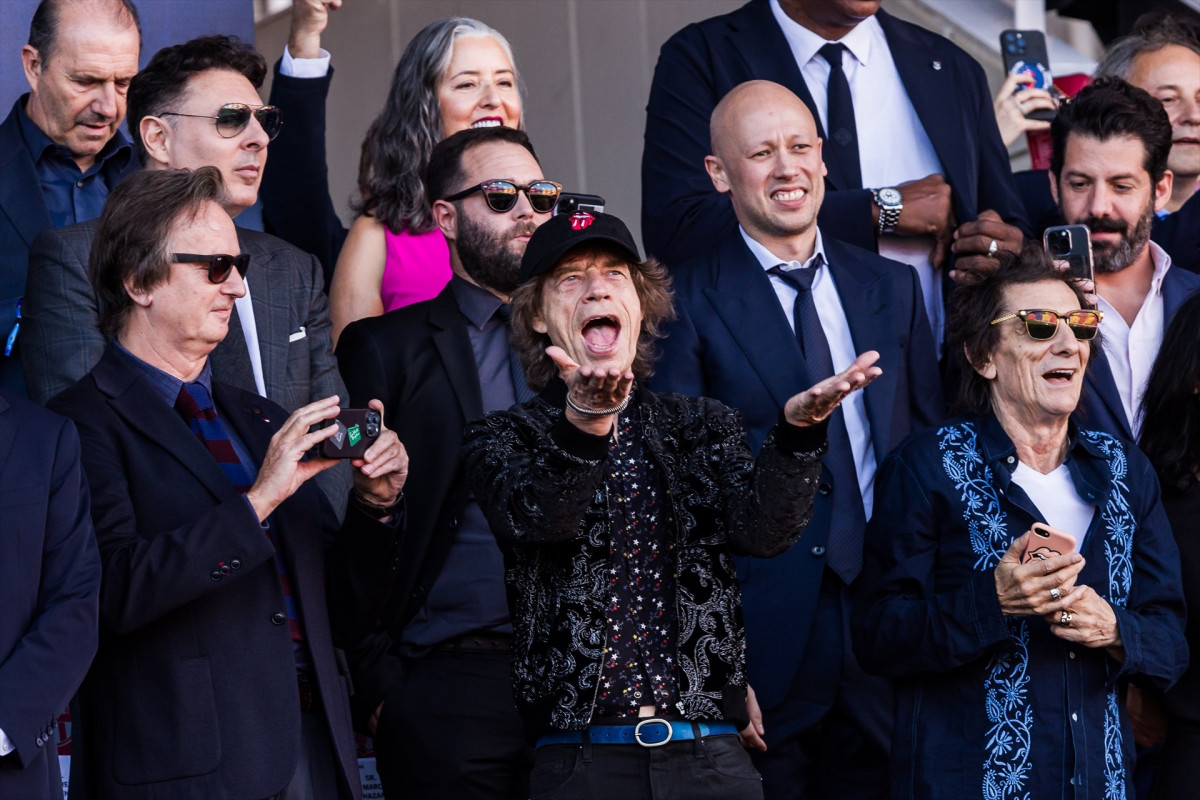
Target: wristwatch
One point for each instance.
(890, 202)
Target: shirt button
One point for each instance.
(1010, 459)
(79, 184)
(1074, 717)
(1071, 656)
(818, 550)
(824, 489)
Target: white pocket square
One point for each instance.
(298, 335)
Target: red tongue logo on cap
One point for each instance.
(580, 220)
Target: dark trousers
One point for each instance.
(451, 730)
(833, 731)
(317, 767)
(713, 768)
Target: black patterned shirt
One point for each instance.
(642, 631)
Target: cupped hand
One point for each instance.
(1011, 107)
(1026, 589)
(973, 240)
(593, 388)
(817, 402)
(380, 474)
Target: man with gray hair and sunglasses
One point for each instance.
(196, 104)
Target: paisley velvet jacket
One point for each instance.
(541, 483)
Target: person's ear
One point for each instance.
(156, 134)
(716, 172)
(445, 216)
(986, 369)
(31, 63)
(1162, 190)
(140, 297)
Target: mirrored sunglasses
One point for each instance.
(219, 264)
(501, 195)
(232, 118)
(1042, 324)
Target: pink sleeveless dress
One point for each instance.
(417, 267)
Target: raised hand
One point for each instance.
(309, 19)
(283, 469)
(973, 246)
(816, 403)
(591, 388)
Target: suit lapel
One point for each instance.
(746, 302)
(20, 191)
(863, 294)
(449, 335)
(135, 401)
(934, 94)
(1099, 381)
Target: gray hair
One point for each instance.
(397, 146)
(1156, 34)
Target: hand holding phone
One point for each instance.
(1024, 53)
(1070, 248)
(358, 428)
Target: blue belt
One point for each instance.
(648, 732)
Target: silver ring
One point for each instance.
(992, 247)
(1055, 594)
(1065, 619)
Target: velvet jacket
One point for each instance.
(541, 483)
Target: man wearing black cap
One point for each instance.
(617, 511)
(432, 673)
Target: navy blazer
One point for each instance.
(23, 215)
(683, 216)
(193, 691)
(732, 342)
(49, 590)
(1100, 405)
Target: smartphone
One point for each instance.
(357, 429)
(569, 203)
(1046, 542)
(1070, 248)
(1024, 52)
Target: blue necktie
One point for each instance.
(520, 389)
(841, 144)
(849, 519)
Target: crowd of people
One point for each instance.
(837, 486)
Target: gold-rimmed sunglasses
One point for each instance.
(1042, 324)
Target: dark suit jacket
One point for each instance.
(1100, 403)
(418, 361)
(295, 190)
(23, 215)
(62, 340)
(683, 216)
(732, 342)
(49, 590)
(193, 691)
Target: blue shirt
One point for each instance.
(999, 707)
(72, 195)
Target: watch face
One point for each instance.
(890, 197)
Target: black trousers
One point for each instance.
(713, 768)
(452, 731)
(842, 749)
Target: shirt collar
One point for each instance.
(768, 259)
(1085, 461)
(1162, 263)
(477, 304)
(42, 146)
(805, 44)
(165, 385)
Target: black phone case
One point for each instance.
(358, 428)
(1025, 51)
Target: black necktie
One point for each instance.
(520, 389)
(849, 519)
(841, 144)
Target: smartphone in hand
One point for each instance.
(1070, 248)
(1046, 542)
(357, 429)
(1024, 53)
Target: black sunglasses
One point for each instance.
(1042, 323)
(219, 264)
(232, 118)
(501, 195)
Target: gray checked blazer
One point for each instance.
(61, 339)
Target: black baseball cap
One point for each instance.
(562, 233)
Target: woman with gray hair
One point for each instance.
(1011, 651)
(455, 74)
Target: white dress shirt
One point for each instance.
(893, 147)
(841, 348)
(1131, 349)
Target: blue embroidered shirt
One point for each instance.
(999, 707)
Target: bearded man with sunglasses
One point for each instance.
(216, 674)
(1109, 172)
(194, 105)
(432, 679)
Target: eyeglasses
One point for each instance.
(1042, 324)
(501, 195)
(232, 119)
(219, 264)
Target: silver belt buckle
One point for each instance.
(637, 732)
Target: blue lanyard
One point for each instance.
(12, 335)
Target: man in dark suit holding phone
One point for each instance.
(775, 305)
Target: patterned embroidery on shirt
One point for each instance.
(1008, 762)
(1118, 549)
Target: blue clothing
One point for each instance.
(999, 707)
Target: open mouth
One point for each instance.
(488, 122)
(789, 195)
(1059, 377)
(600, 333)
